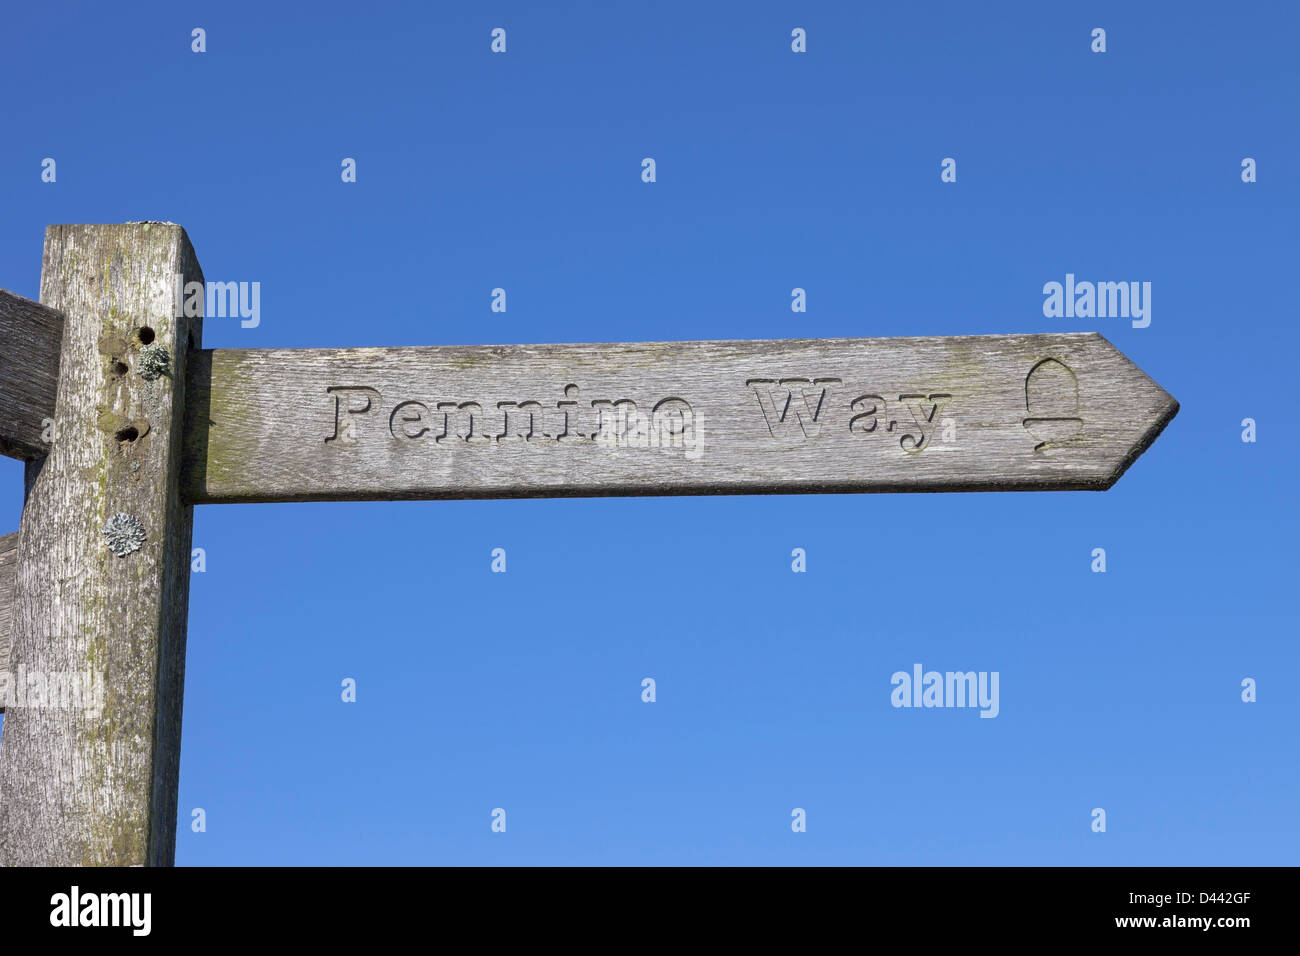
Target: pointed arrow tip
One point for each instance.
(1164, 414)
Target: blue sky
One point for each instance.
(775, 170)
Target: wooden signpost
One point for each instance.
(127, 422)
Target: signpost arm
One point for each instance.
(29, 374)
(90, 754)
(1052, 411)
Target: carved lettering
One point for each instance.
(520, 424)
(672, 424)
(801, 408)
(793, 408)
(570, 428)
(870, 407)
(618, 423)
(407, 420)
(922, 418)
(350, 403)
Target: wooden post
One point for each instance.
(8, 580)
(90, 754)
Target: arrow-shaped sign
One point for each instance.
(961, 413)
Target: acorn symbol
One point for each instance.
(1052, 404)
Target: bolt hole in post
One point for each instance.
(144, 335)
(119, 369)
(127, 434)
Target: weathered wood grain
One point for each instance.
(8, 577)
(964, 413)
(30, 334)
(90, 753)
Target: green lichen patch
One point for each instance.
(153, 361)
